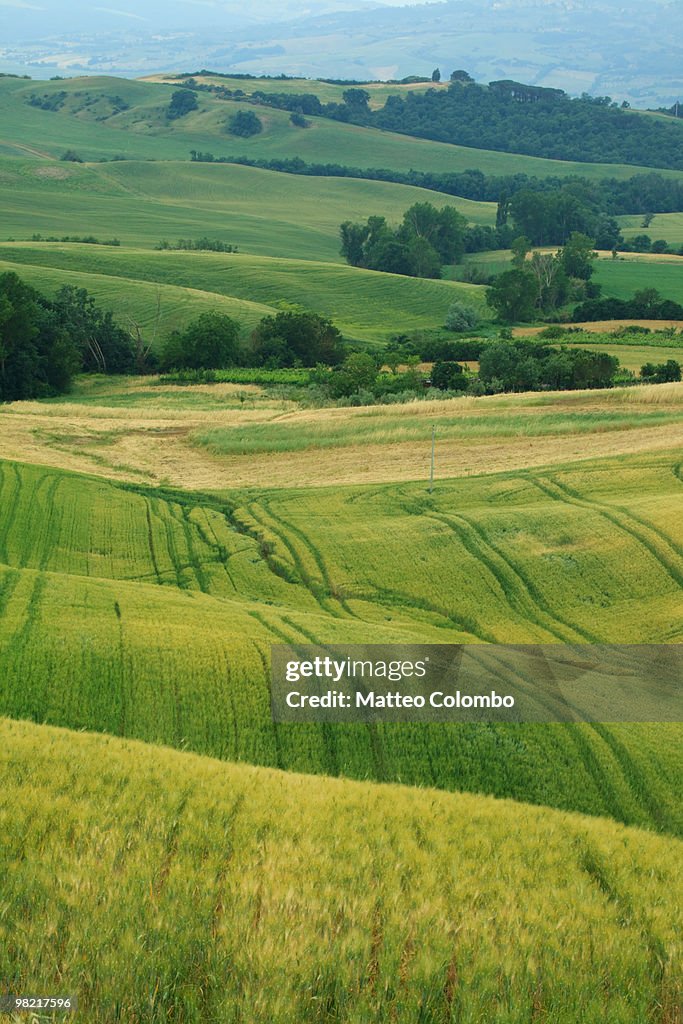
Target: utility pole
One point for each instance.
(431, 471)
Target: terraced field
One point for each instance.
(253, 894)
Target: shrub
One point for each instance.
(244, 124)
(461, 317)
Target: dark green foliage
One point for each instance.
(244, 123)
(578, 255)
(43, 342)
(103, 345)
(71, 156)
(426, 239)
(661, 373)
(517, 118)
(203, 244)
(295, 339)
(647, 304)
(448, 376)
(357, 373)
(183, 102)
(298, 120)
(211, 342)
(550, 218)
(49, 101)
(521, 366)
(513, 296)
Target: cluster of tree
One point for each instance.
(521, 366)
(244, 124)
(203, 244)
(45, 342)
(540, 285)
(645, 243)
(360, 380)
(549, 218)
(661, 373)
(83, 239)
(426, 240)
(611, 196)
(646, 304)
(183, 102)
(53, 101)
(517, 118)
(288, 339)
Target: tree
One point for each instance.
(38, 356)
(182, 102)
(521, 247)
(436, 75)
(357, 373)
(357, 100)
(296, 339)
(513, 296)
(105, 347)
(448, 376)
(211, 342)
(577, 256)
(661, 373)
(244, 124)
(551, 280)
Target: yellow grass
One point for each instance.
(155, 443)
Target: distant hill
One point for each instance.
(622, 48)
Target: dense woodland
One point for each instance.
(504, 116)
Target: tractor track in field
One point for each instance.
(519, 591)
(623, 520)
(284, 527)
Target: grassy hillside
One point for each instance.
(623, 278)
(364, 304)
(565, 556)
(143, 132)
(262, 212)
(253, 894)
(668, 226)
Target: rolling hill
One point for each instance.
(83, 594)
(87, 122)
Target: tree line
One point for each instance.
(641, 194)
(45, 342)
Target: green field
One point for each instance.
(668, 226)
(228, 893)
(142, 133)
(262, 212)
(623, 278)
(364, 304)
(563, 556)
(157, 537)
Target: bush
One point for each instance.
(244, 124)
(71, 156)
(461, 317)
(661, 373)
